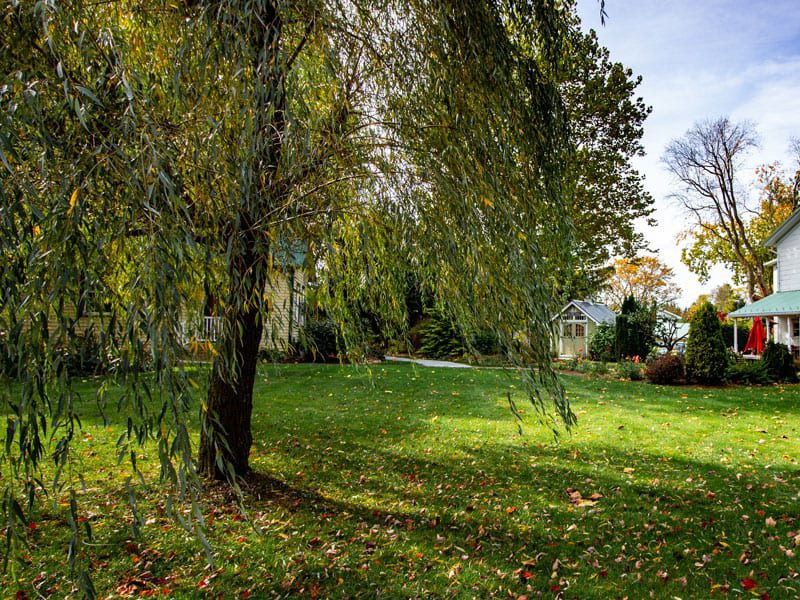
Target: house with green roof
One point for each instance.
(781, 309)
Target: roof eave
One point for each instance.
(574, 303)
(782, 229)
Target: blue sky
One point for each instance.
(701, 60)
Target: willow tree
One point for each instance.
(149, 149)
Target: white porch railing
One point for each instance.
(212, 329)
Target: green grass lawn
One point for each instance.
(402, 481)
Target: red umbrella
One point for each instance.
(757, 337)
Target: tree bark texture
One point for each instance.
(226, 434)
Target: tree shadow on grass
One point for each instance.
(460, 519)
(467, 526)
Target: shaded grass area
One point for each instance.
(403, 481)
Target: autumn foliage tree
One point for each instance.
(726, 226)
(646, 278)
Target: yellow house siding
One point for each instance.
(280, 332)
(91, 321)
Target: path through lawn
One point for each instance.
(411, 482)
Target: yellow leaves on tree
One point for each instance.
(645, 278)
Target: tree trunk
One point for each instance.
(225, 434)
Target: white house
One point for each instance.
(781, 309)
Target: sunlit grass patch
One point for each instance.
(404, 481)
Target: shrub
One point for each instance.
(321, 338)
(577, 364)
(439, 338)
(627, 369)
(602, 343)
(706, 355)
(667, 369)
(272, 355)
(85, 355)
(778, 362)
(749, 372)
(634, 330)
(485, 342)
(743, 331)
(82, 355)
(598, 368)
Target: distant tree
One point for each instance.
(668, 332)
(726, 299)
(724, 227)
(701, 299)
(706, 354)
(645, 278)
(675, 309)
(777, 201)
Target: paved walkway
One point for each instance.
(429, 363)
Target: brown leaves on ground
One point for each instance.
(576, 499)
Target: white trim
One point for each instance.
(583, 312)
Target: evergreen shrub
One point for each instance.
(743, 331)
(706, 356)
(749, 372)
(778, 362)
(635, 326)
(627, 369)
(440, 339)
(321, 338)
(486, 343)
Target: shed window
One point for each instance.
(566, 329)
(573, 314)
(580, 330)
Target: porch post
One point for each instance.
(735, 336)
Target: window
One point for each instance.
(566, 329)
(580, 330)
(299, 305)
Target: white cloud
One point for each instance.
(702, 60)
